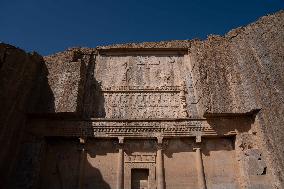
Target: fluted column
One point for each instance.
(82, 163)
(160, 165)
(200, 169)
(120, 165)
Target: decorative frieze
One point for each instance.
(139, 88)
(128, 128)
(140, 158)
(145, 104)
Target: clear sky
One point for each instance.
(49, 26)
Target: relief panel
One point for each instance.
(146, 105)
(144, 86)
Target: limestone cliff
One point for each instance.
(244, 71)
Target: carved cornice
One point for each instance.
(128, 129)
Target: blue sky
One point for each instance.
(49, 26)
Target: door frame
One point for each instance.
(127, 173)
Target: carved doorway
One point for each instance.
(139, 178)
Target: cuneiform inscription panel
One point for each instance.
(142, 105)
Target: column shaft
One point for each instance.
(120, 169)
(160, 170)
(200, 169)
(82, 166)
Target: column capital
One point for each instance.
(160, 140)
(198, 139)
(161, 144)
(82, 149)
(82, 140)
(120, 140)
(81, 145)
(196, 146)
(120, 143)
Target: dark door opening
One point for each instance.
(139, 178)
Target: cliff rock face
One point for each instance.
(235, 73)
(22, 80)
(244, 71)
(66, 72)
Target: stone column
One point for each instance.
(200, 169)
(82, 163)
(120, 165)
(160, 165)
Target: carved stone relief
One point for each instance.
(140, 158)
(142, 105)
(145, 86)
